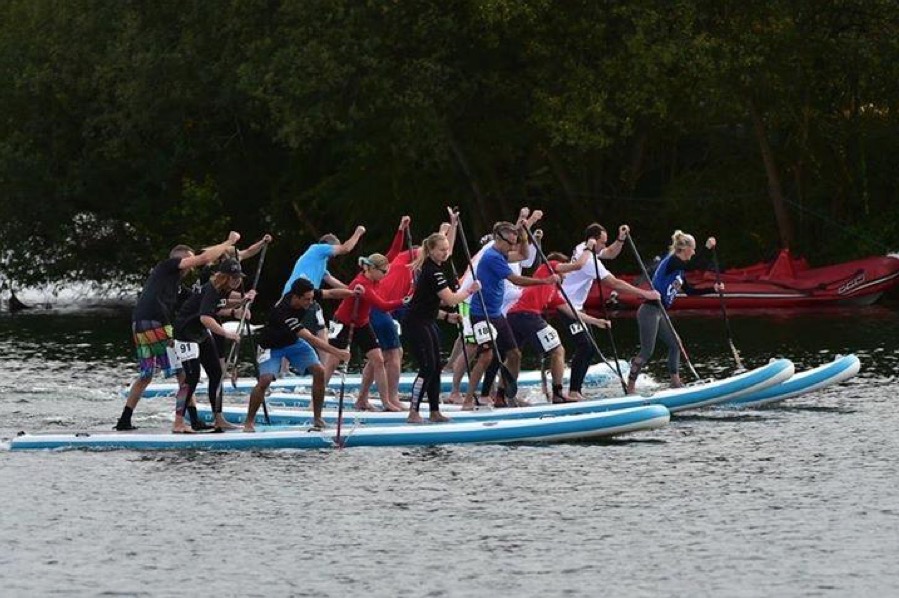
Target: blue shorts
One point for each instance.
(385, 329)
(301, 356)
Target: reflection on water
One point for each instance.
(796, 499)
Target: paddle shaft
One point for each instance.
(511, 382)
(577, 315)
(343, 370)
(661, 306)
(730, 336)
(461, 329)
(235, 346)
(605, 314)
(543, 381)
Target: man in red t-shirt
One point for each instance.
(526, 318)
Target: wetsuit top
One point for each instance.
(669, 278)
(537, 299)
(425, 301)
(207, 302)
(159, 297)
(577, 284)
(370, 298)
(283, 326)
(493, 270)
(312, 265)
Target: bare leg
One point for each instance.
(393, 365)
(368, 376)
(376, 358)
(477, 371)
(256, 397)
(318, 394)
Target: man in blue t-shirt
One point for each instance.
(313, 266)
(486, 310)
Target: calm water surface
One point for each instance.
(797, 500)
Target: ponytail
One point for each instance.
(424, 252)
(681, 240)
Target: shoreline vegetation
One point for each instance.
(130, 127)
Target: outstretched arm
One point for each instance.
(210, 254)
(350, 244)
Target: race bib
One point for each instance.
(549, 338)
(484, 332)
(576, 328)
(399, 329)
(320, 317)
(174, 361)
(186, 351)
(263, 355)
(334, 328)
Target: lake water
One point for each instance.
(797, 500)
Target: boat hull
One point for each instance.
(787, 283)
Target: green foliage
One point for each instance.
(131, 126)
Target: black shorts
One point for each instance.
(505, 338)
(531, 330)
(363, 337)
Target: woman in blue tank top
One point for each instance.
(668, 280)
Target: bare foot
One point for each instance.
(575, 396)
(455, 398)
(222, 424)
(182, 429)
(394, 407)
(319, 423)
(364, 406)
(414, 418)
(438, 418)
(249, 428)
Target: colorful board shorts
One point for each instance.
(152, 341)
(301, 356)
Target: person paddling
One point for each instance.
(374, 268)
(492, 271)
(525, 318)
(151, 321)
(577, 286)
(668, 280)
(313, 266)
(434, 287)
(196, 326)
(285, 336)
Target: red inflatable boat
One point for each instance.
(787, 282)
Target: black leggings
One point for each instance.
(209, 359)
(424, 338)
(583, 353)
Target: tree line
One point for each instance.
(132, 125)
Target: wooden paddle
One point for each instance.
(511, 386)
(344, 367)
(661, 305)
(730, 336)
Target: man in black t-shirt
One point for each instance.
(286, 336)
(151, 322)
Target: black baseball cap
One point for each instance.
(231, 267)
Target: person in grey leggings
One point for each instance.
(668, 280)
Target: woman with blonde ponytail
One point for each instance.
(365, 285)
(668, 280)
(434, 287)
